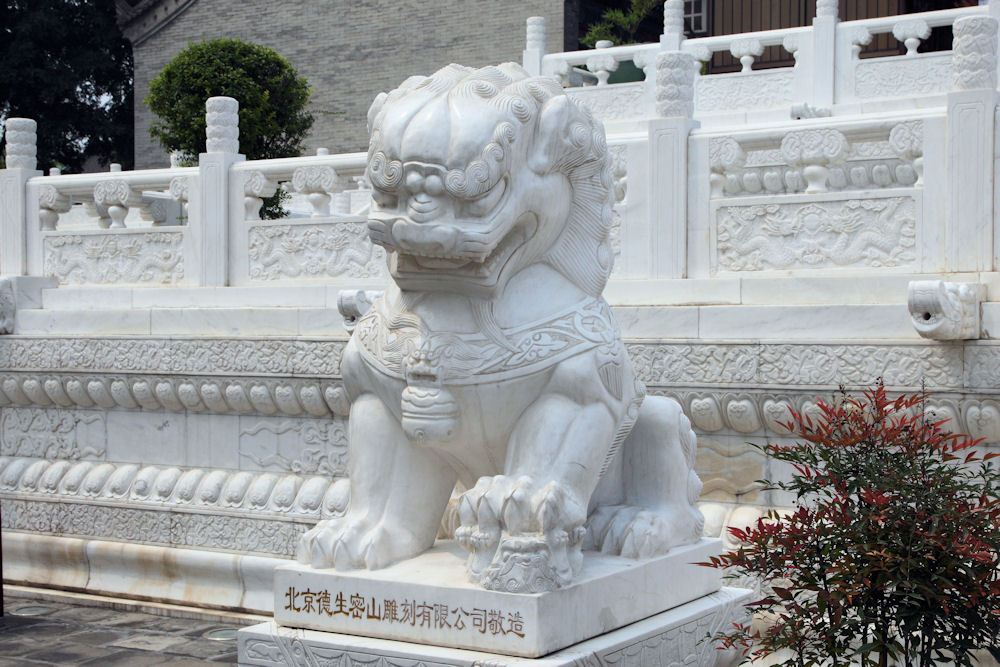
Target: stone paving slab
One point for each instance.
(65, 633)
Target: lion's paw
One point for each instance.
(521, 535)
(334, 543)
(311, 549)
(634, 532)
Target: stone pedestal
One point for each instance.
(426, 609)
(673, 637)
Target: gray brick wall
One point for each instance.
(349, 51)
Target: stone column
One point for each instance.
(534, 45)
(20, 152)
(668, 162)
(211, 204)
(673, 25)
(970, 162)
(822, 55)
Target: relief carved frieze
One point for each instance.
(242, 534)
(51, 433)
(314, 446)
(115, 259)
(173, 355)
(617, 102)
(812, 364)
(742, 91)
(265, 396)
(328, 250)
(903, 77)
(852, 233)
(128, 484)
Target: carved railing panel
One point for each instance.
(319, 251)
(148, 258)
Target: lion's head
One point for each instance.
(478, 173)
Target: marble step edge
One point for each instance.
(305, 496)
(32, 595)
(776, 289)
(752, 322)
(156, 573)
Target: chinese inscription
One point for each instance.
(405, 612)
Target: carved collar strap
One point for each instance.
(447, 358)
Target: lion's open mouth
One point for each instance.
(465, 268)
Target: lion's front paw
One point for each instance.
(479, 527)
(522, 537)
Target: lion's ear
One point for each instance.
(564, 136)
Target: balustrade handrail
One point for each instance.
(715, 43)
(282, 168)
(850, 125)
(934, 19)
(766, 38)
(619, 53)
(83, 184)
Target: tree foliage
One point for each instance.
(620, 26)
(65, 64)
(890, 556)
(272, 97)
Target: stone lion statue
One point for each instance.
(492, 367)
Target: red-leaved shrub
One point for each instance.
(890, 554)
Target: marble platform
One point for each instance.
(428, 600)
(673, 637)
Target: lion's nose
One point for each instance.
(430, 240)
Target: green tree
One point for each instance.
(272, 97)
(621, 25)
(66, 65)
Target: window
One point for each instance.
(695, 21)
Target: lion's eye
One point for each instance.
(486, 203)
(385, 199)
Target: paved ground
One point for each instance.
(42, 632)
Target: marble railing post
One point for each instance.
(822, 54)
(673, 25)
(534, 46)
(209, 206)
(969, 237)
(668, 163)
(20, 160)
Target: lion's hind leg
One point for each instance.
(660, 487)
